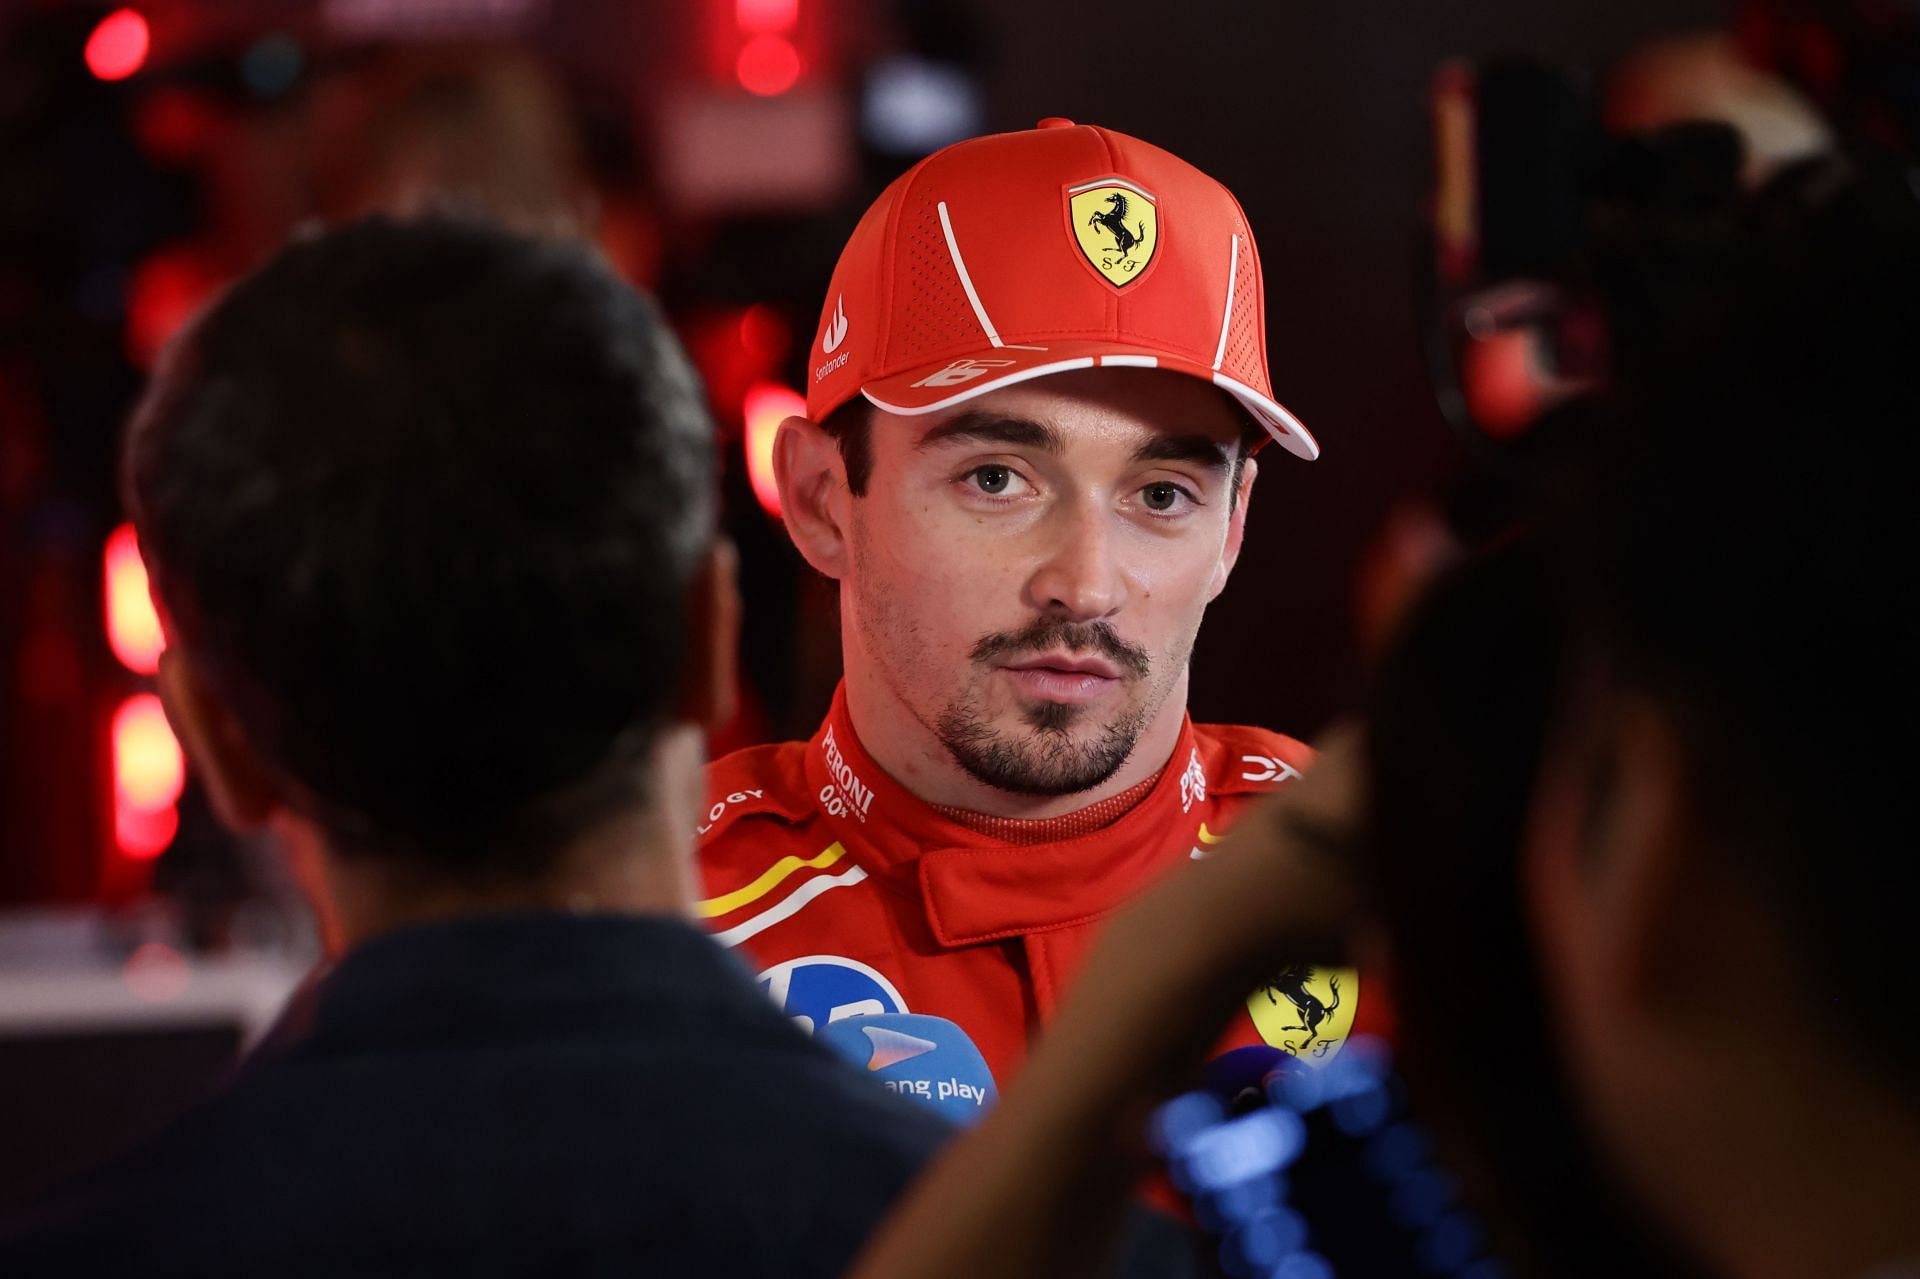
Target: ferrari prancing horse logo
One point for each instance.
(1117, 226)
(1305, 1011)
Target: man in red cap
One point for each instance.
(1039, 381)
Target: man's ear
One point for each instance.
(1606, 864)
(709, 682)
(1236, 528)
(814, 496)
(241, 788)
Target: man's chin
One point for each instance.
(1042, 749)
(1051, 718)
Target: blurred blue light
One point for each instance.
(1366, 1055)
(1241, 1149)
(1359, 1113)
(913, 106)
(1221, 1210)
(1258, 1245)
(1396, 1152)
(1302, 1265)
(1179, 1121)
(1301, 1089)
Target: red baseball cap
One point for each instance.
(1016, 255)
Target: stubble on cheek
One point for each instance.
(886, 595)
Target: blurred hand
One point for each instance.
(1283, 889)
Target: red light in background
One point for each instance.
(156, 972)
(143, 835)
(766, 47)
(768, 404)
(149, 772)
(118, 46)
(765, 332)
(759, 17)
(162, 294)
(133, 628)
(176, 125)
(769, 65)
(148, 768)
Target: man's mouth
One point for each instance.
(1072, 678)
(1068, 664)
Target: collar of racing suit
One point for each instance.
(1051, 830)
(976, 887)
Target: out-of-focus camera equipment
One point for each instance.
(1527, 185)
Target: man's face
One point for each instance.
(1029, 569)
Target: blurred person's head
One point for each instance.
(1532, 165)
(1714, 853)
(1460, 713)
(1639, 795)
(477, 127)
(427, 510)
(1039, 377)
(1703, 77)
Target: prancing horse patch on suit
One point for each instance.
(1306, 1011)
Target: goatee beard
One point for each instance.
(1048, 762)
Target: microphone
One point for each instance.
(928, 1059)
(1239, 1077)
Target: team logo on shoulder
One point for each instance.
(818, 990)
(1117, 226)
(1306, 1011)
(1264, 768)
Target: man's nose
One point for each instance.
(1080, 576)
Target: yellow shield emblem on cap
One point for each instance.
(1117, 226)
(1306, 1011)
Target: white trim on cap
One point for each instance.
(966, 281)
(1226, 319)
(1281, 425)
(1112, 182)
(991, 384)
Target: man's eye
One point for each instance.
(993, 479)
(1162, 497)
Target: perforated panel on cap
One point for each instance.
(1243, 330)
(931, 313)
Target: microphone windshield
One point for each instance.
(926, 1058)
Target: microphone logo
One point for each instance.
(891, 1047)
(926, 1059)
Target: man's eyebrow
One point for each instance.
(991, 428)
(1196, 448)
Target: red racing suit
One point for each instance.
(849, 895)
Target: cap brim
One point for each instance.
(955, 381)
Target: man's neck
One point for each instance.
(910, 753)
(636, 862)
